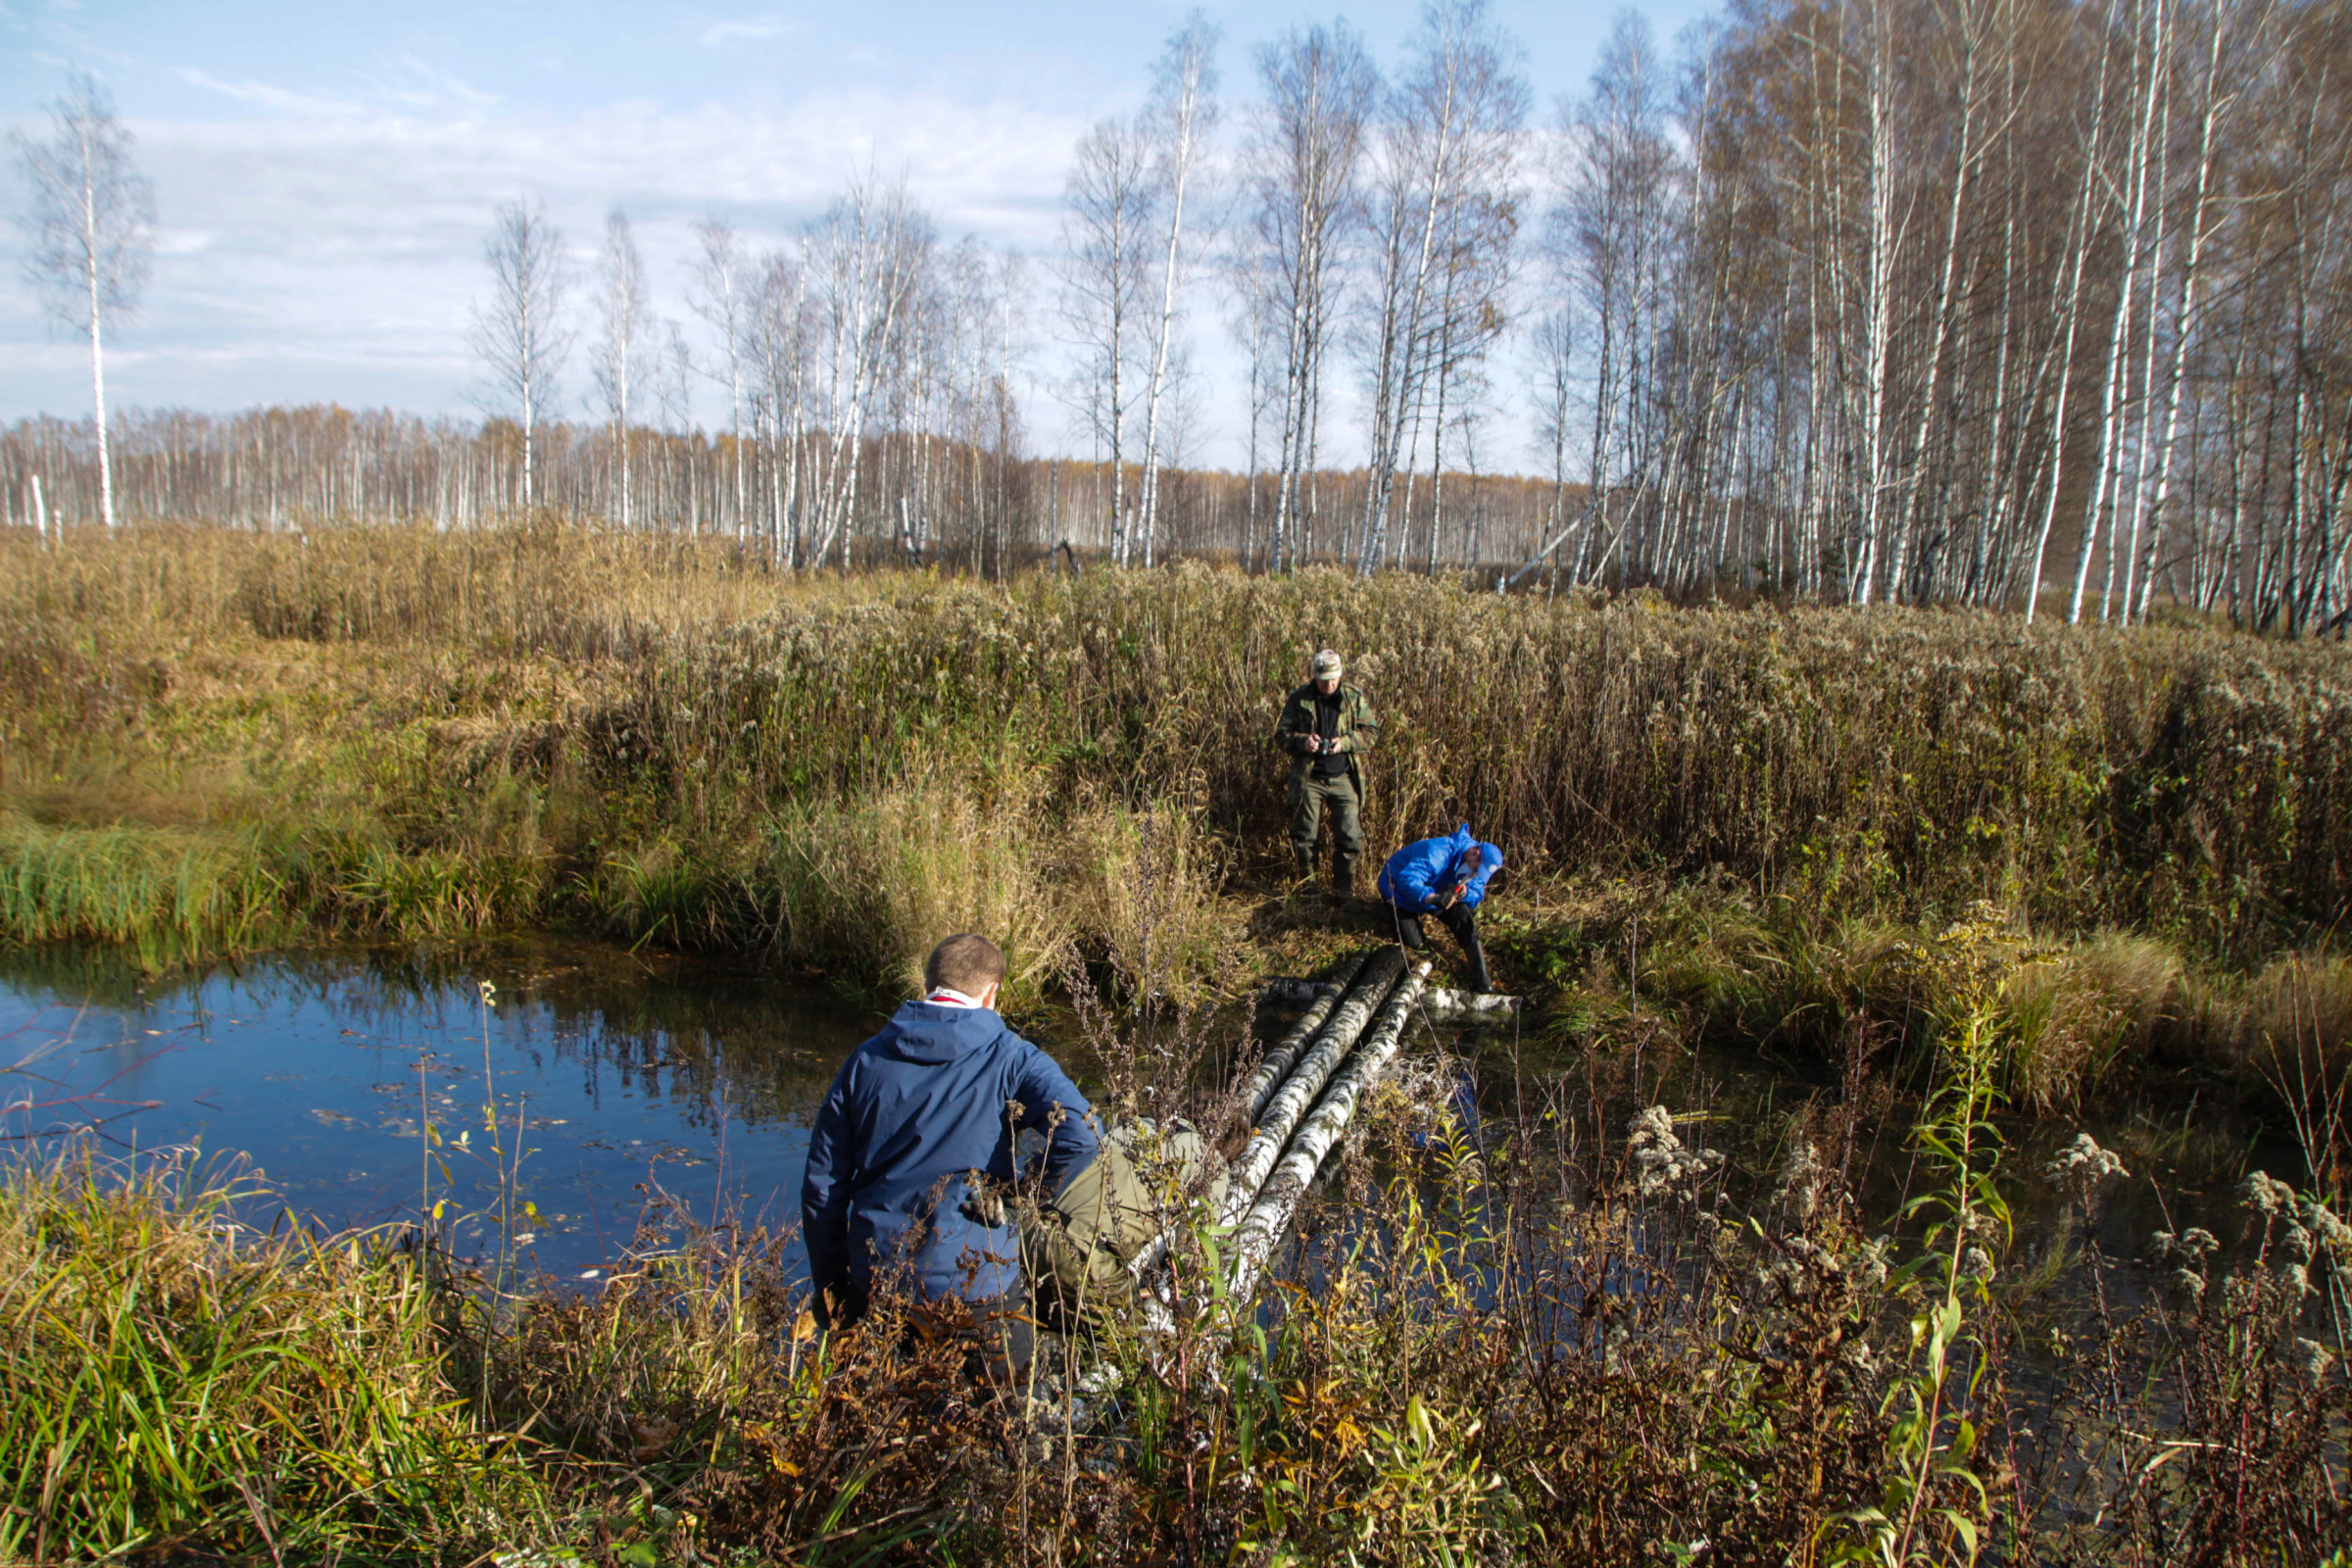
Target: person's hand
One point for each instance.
(1314, 742)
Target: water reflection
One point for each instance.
(632, 1080)
(641, 1079)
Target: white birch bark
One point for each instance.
(1305, 1081)
(1184, 114)
(91, 230)
(1268, 1218)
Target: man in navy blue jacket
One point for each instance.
(912, 1152)
(1445, 878)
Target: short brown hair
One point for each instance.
(964, 962)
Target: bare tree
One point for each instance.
(91, 228)
(1256, 328)
(519, 334)
(779, 331)
(1607, 243)
(674, 383)
(1449, 134)
(1320, 89)
(868, 259)
(1107, 240)
(623, 314)
(720, 296)
(1182, 114)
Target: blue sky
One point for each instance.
(325, 173)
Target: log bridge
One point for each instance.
(1300, 1100)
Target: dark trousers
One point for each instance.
(1308, 796)
(1460, 919)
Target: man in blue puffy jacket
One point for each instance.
(913, 1152)
(1445, 878)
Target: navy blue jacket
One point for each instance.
(1418, 875)
(940, 1093)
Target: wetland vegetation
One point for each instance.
(1960, 882)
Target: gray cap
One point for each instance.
(1327, 664)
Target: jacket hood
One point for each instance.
(1489, 856)
(933, 1032)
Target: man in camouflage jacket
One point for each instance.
(1325, 727)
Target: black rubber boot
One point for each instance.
(1476, 952)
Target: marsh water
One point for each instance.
(624, 1085)
(354, 1087)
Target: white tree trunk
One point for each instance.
(1306, 1080)
(1268, 1219)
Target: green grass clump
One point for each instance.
(2072, 1018)
(171, 1379)
(160, 891)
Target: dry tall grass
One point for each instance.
(1537, 1340)
(536, 724)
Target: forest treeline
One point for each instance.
(2025, 303)
(982, 509)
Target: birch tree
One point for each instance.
(90, 230)
(1106, 244)
(1182, 115)
(623, 313)
(1449, 134)
(520, 334)
(1611, 181)
(778, 339)
(719, 294)
(865, 260)
(1302, 160)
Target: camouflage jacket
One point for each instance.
(1358, 728)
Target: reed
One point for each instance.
(653, 734)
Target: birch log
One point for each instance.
(1373, 983)
(1269, 1218)
(1260, 1085)
(1468, 1004)
(1437, 1003)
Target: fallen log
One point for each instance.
(1260, 1085)
(1270, 1217)
(1272, 1075)
(1443, 1004)
(1373, 984)
(1291, 990)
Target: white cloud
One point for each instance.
(326, 247)
(263, 95)
(722, 33)
(408, 82)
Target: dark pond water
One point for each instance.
(640, 1083)
(630, 1082)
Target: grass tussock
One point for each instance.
(171, 1379)
(2073, 1019)
(2071, 1016)
(162, 889)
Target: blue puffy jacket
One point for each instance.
(939, 1094)
(1417, 876)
